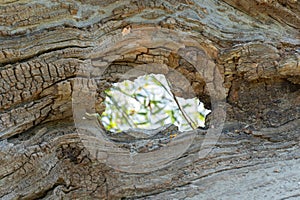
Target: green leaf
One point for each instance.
(159, 109)
(201, 117)
(142, 113)
(140, 95)
(161, 121)
(142, 123)
(187, 105)
(156, 81)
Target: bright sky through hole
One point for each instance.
(148, 103)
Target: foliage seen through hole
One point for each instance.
(149, 103)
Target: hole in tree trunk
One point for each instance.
(149, 102)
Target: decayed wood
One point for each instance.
(50, 50)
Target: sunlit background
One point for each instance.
(148, 103)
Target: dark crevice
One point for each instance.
(30, 57)
(25, 104)
(36, 97)
(291, 197)
(47, 191)
(64, 125)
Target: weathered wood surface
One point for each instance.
(48, 47)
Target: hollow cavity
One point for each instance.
(149, 103)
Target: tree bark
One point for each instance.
(241, 59)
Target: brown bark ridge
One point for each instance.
(57, 58)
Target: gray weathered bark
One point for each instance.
(53, 59)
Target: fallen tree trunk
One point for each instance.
(241, 59)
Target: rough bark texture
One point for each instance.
(54, 53)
